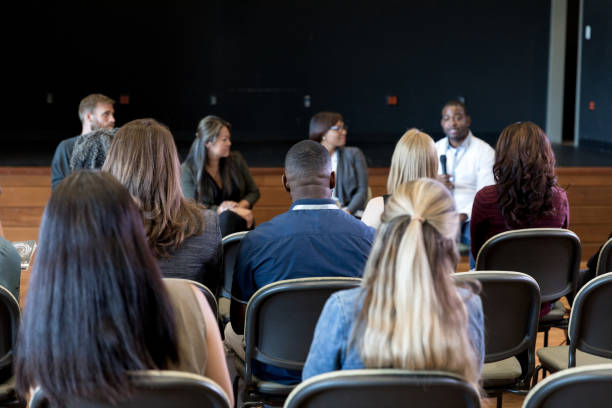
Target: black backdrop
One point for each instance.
(259, 58)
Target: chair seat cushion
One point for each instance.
(556, 313)
(556, 358)
(500, 373)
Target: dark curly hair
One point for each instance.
(524, 172)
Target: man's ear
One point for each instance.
(286, 184)
(332, 180)
(468, 120)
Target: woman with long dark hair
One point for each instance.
(526, 193)
(184, 236)
(219, 178)
(349, 163)
(409, 313)
(97, 307)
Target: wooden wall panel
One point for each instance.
(25, 191)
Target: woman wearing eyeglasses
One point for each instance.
(349, 163)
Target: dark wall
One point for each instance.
(259, 58)
(596, 82)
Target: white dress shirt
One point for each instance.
(471, 168)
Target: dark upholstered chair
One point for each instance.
(577, 387)
(590, 331)
(279, 326)
(550, 255)
(157, 389)
(384, 388)
(10, 316)
(231, 243)
(511, 306)
(210, 298)
(604, 260)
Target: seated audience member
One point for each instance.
(414, 157)
(314, 238)
(409, 312)
(89, 150)
(96, 112)
(218, 178)
(10, 265)
(469, 162)
(97, 307)
(526, 193)
(184, 236)
(348, 163)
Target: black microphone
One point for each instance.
(443, 163)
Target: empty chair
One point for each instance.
(384, 388)
(279, 325)
(576, 387)
(511, 305)
(550, 255)
(156, 389)
(590, 331)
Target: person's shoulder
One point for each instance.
(481, 144)
(348, 298)
(352, 150)
(236, 156)
(67, 144)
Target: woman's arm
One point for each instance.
(360, 166)
(216, 366)
(251, 192)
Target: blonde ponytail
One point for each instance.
(412, 316)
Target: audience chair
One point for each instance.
(279, 326)
(577, 387)
(550, 255)
(210, 298)
(511, 306)
(156, 389)
(10, 316)
(604, 261)
(231, 243)
(384, 388)
(590, 331)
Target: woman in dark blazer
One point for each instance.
(349, 163)
(218, 178)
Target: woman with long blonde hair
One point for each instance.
(414, 157)
(409, 312)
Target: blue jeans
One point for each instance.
(465, 239)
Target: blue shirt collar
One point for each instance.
(311, 201)
(466, 143)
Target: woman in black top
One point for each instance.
(218, 178)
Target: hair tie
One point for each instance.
(418, 218)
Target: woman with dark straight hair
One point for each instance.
(349, 163)
(219, 178)
(184, 236)
(97, 307)
(525, 193)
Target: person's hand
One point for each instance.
(227, 205)
(445, 179)
(244, 213)
(463, 217)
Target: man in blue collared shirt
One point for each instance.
(314, 238)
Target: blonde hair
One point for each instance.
(413, 316)
(144, 159)
(415, 156)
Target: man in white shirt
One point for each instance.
(468, 166)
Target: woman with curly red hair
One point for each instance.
(526, 193)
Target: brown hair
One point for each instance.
(143, 158)
(524, 172)
(320, 124)
(89, 103)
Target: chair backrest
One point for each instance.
(10, 316)
(587, 386)
(604, 260)
(156, 389)
(511, 308)
(589, 326)
(550, 255)
(230, 243)
(383, 388)
(212, 301)
(281, 318)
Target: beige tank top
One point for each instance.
(190, 327)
